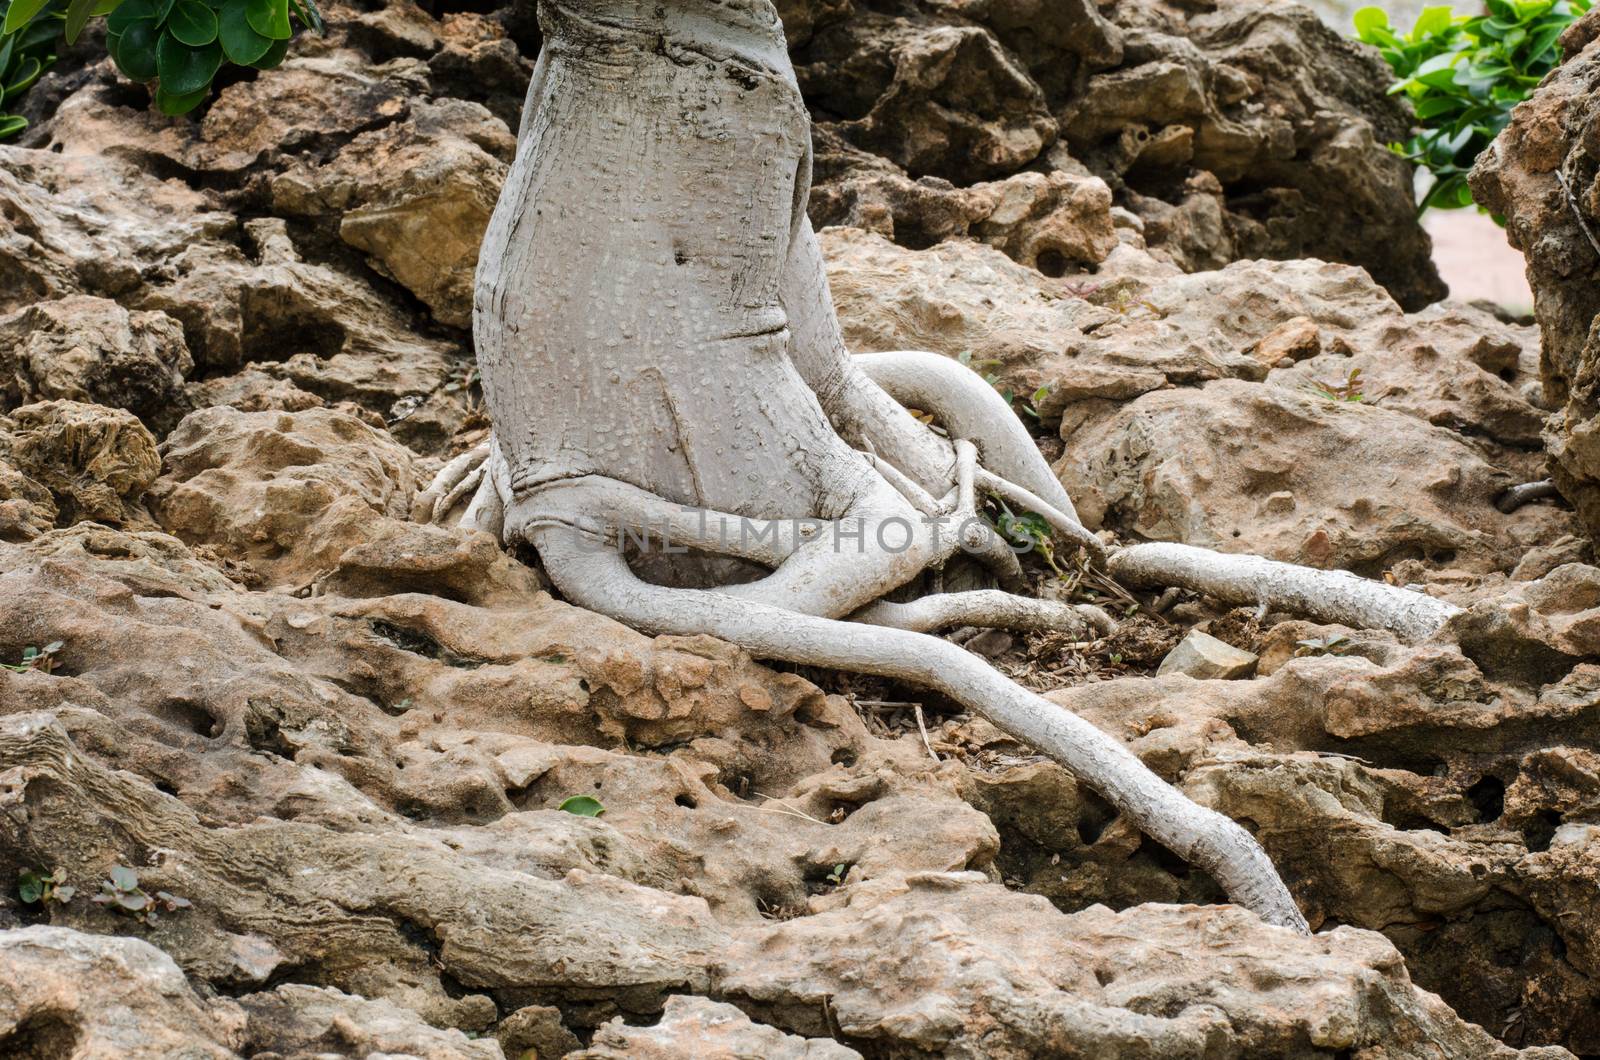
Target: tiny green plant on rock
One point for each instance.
(121, 891)
(1349, 390)
(34, 886)
(1463, 75)
(42, 659)
(1332, 644)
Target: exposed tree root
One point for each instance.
(600, 580)
(986, 607)
(1326, 595)
(657, 339)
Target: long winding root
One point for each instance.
(601, 580)
(1325, 595)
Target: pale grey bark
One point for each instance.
(1326, 595)
(655, 332)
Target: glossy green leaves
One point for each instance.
(182, 68)
(30, 32)
(240, 42)
(1463, 75)
(174, 46)
(192, 23)
(270, 18)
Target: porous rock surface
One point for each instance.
(1543, 175)
(1215, 131)
(345, 738)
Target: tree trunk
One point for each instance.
(654, 330)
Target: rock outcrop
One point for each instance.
(1242, 131)
(1543, 175)
(346, 739)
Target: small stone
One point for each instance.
(1202, 656)
(1280, 503)
(1293, 340)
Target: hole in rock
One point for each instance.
(1094, 816)
(1542, 830)
(1488, 797)
(1166, 859)
(46, 1035)
(416, 642)
(687, 802)
(1052, 263)
(843, 757)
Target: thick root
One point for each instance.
(1325, 595)
(601, 581)
(968, 407)
(430, 505)
(986, 607)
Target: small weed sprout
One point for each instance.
(1349, 390)
(34, 886)
(41, 659)
(1332, 644)
(121, 891)
(582, 806)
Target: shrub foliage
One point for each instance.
(176, 46)
(1463, 75)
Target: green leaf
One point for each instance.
(123, 878)
(18, 14)
(192, 23)
(174, 106)
(274, 56)
(270, 18)
(78, 12)
(240, 43)
(309, 14)
(583, 806)
(130, 11)
(1368, 20)
(133, 902)
(135, 51)
(26, 74)
(105, 7)
(30, 887)
(1435, 106)
(38, 32)
(1433, 20)
(185, 70)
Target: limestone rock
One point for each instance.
(93, 350)
(296, 1019)
(101, 227)
(694, 1028)
(415, 196)
(95, 461)
(1167, 978)
(1558, 230)
(65, 993)
(1246, 131)
(1053, 222)
(1204, 657)
(940, 100)
(1371, 487)
(1381, 404)
(263, 484)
